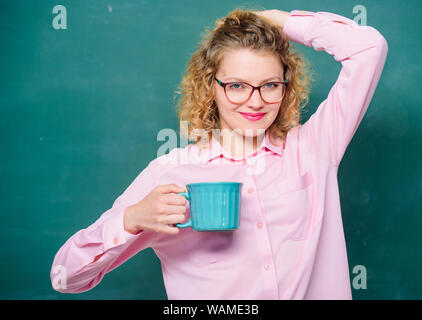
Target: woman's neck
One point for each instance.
(238, 145)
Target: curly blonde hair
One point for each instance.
(238, 30)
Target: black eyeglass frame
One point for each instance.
(224, 84)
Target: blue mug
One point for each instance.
(214, 206)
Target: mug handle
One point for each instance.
(189, 223)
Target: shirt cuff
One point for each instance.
(114, 233)
(297, 25)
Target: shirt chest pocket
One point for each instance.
(295, 202)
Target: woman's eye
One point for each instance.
(235, 86)
(271, 85)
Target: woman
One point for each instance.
(245, 80)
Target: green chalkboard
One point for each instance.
(81, 108)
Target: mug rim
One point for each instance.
(214, 183)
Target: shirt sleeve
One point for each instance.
(362, 51)
(81, 263)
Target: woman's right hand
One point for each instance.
(157, 211)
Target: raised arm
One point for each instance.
(362, 51)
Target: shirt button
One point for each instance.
(115, 240)
(267, 267)
(259, 225)
(250, 190)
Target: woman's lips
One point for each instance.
(253, 116)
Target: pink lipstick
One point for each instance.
(253, 116)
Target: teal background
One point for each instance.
(80, 110)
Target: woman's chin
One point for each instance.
(250, 132)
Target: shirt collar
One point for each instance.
(216, 150)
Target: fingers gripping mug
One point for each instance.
(214, 206)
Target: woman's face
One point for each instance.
(255, 68)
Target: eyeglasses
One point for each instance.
(240, 92)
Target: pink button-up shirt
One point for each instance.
(290, 243)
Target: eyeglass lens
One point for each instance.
(240, 92)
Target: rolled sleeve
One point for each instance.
(297, 25)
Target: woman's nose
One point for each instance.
(255, 100)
